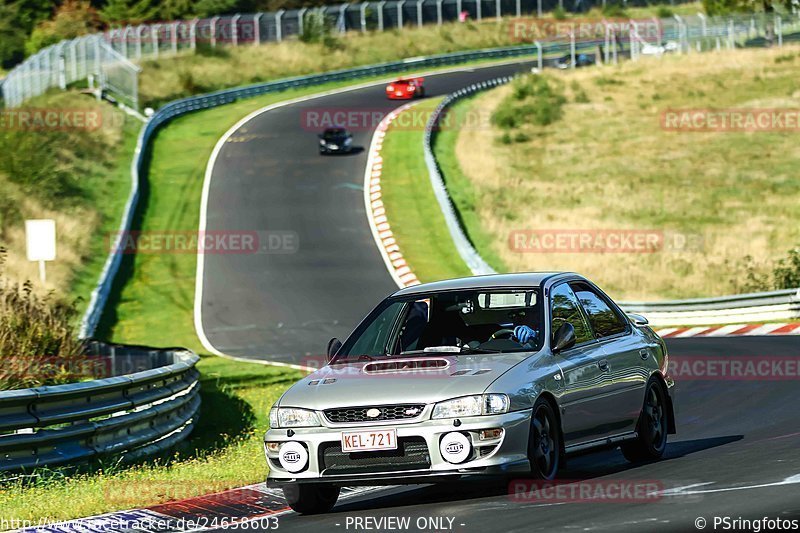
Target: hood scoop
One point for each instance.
(406, 365)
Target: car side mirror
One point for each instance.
(564, 339)
(333, 346)
(638, 320)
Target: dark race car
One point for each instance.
(335, 141)
(581, 60)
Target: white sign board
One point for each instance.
(40, 239)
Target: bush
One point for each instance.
(36, 334)
(559, 13)
(663, 12)
(535, 100)
(615, 9)
(787, 272)
(72, 19)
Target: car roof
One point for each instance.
(335, 130)
(490, 281)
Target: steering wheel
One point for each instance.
(504, 333)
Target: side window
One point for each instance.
(604, 320)
(566, 309)
(373, 339)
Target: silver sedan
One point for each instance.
(489, 375)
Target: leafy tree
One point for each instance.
(176, 9)
(210, 8)
(12, 36)
(787, 272)
(121, 12)
(72, 19)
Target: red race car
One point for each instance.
(405, 89)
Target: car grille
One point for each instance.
(411, 454)
(387, 412)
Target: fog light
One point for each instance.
(455, 447)
(490, 434)
(273, 447)
(293, 456)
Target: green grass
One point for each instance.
(463, 194)
(224, 451)
(411, 207)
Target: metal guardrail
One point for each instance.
(183, 106)
(753, 307)
(131, 415)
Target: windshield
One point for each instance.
(478, 321)
(334, 133)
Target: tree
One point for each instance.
(210, 8)
(12, 36)
(122, 12)
(176, 9)
(72, 19)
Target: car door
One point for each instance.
(625, 352)
(585, 379)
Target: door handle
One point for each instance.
(644, 354)
(603, 364)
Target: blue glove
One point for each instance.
(524, 334)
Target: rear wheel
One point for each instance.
(311, 498)
(544, 442)
(651, 441)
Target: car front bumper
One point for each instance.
(326, 462)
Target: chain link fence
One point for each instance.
(105, 61)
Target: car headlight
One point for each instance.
(479, 404)
(290, 417)
(348, 141)
(322, 142)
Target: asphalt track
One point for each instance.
(285, 304)
(736, 452)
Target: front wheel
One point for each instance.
(311, 498)
(544, 442)
(651, 441)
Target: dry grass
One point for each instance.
(608, 164)
(165, 79)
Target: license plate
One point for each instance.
(371, 440)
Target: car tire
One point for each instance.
(422, 92)
(311, 498)
(652, 428)
(544, 441)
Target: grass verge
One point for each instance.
(725, 202)
(409, 200)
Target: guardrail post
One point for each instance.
(257, 27)
(301, 17)
(279, 25)
(174, 37)
(235, 29)
(362, 15)
(214, 21)
(155, 28)
(193, 34)
(538, 46)
(572, 47)
(498, 9)
(731, 36)
(419, 13)
(380, 14)
(400, 5)
(478, 9)
(439, 12)
(459, 8)
(539, 8)
(519, 8)
(341, 20)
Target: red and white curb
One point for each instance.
(376, 212)
(731, 330)
(252, 507)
